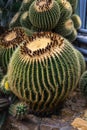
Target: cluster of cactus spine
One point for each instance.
(9, 41)
(49, 15)
(43, 71)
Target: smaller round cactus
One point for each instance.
(65, 9)
(76, 20)
(44, 14)
(24, 20)
(71, 37)
(18, 110)
(64, 27)
(9, 41)
(83, 83)
(15, 22)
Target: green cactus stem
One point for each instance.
(71, 37)
(76, 20)
(43, 71)
(19, 110)
(74, 4)
(24, 20)
(9, 41)
(83, 83)
(44, 14)
(64, 27)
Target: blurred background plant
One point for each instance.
(7, 10)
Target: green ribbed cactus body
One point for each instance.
(81, 60)
(64, 27)
(65, 9)
(43, 71)
(15, 22)
(71, 37)
(24, 20)
(74, 4)
(25, 5)
(83, 83)
(9, 41)
(44, 15)
(76, 20)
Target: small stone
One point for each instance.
(80, 124)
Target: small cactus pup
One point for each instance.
(72, 36)
(64, 27)
(65, 9)
(83, 83)
(44, 14)
(76, 20)
(74, 4)
(9, 41)
(43, 71)
(24, 20)
(19, 110)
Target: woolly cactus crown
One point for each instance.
(43, 71)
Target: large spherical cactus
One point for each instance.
(65, 9)
(76, 20)
(9, 41)
(74, 4)
(44, 14)
(64, 27)
(43, 71)
(83, 83)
